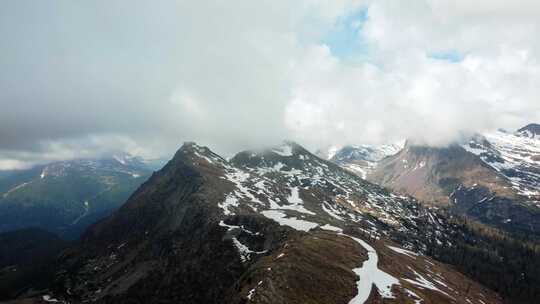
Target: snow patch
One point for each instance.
(424, 283)
(370, 275)
(230, 201)
(403, 251)
(416, 298)
(296, 203)
(243, 250)
(292, 222)
(252, 291)
(48, 298)
(330, 210)
(331, 228)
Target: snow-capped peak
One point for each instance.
(285, 150)
(530, 130)
(362, 159)
(515, 155)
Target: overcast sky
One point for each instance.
(89, 78)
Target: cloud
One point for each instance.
(435, 70)
(82, 79)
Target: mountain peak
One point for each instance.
(431, 173)
(289, 148)
(286, 149)
(194, 153)
(287, 153)
(530, 130)
(191, 145)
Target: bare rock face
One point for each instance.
(278, 225)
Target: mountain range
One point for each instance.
(66, 197)
(262, 227)
(415, 224)
(502, 168)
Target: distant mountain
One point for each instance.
(359, 159)
(530, 130)
(65, 197)
(494, 178)
(278, 225)
(431, 174)
(516, 156)
(492, 182)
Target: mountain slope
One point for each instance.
(65, 197)
(462, 181)
(26, 259)
(263, 228)
(431, 174)
(515, 156)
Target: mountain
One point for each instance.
(516, 156)
(65, 197)
(26, 259)
(494, 178)
(432, 174)
(530, 130)
(277, 225)
(359, 159)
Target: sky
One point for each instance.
(92, 78)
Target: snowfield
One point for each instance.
(370, 275)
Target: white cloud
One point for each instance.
(13, 164)
(241, 74)
(403, 92)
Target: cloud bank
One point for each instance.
(85, 79)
